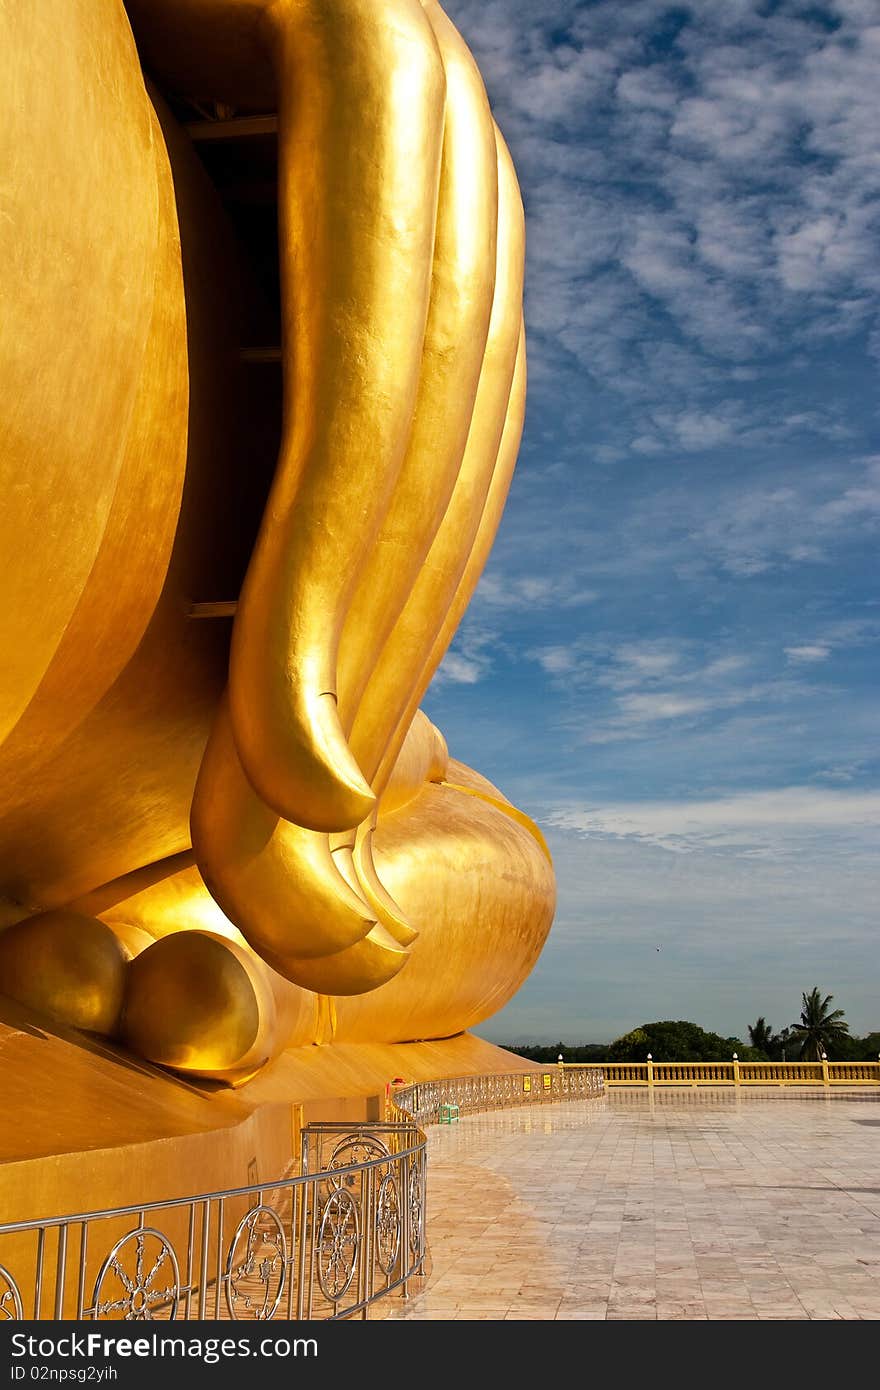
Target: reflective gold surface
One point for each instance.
(66, 965)
(196, 1003)
(223, 839)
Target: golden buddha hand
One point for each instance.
(401, 262)
(402, 324)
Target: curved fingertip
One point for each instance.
(355, 795)
(277, 882)
(361, 968)
(391, 916)
(300, 765)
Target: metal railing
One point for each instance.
(737, 1073)
(324, 1244)
(422, 1100)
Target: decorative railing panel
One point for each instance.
(324, 1244)
(422, 1100)
(736, 1073)
(845, 1073)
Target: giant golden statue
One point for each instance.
(263, 382)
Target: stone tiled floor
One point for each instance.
(704, 1204)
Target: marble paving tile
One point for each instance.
(700, 1205)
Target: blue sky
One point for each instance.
(671, 660)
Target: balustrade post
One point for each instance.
(735, 1069)
(650, 1070)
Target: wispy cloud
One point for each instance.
(527, 592)
(458, 669)
(860, 502)
(557, 661)
(702, 179)
(659, 661)
(470, 658)
(653, 681)
(815, 651)
(757, 527)
(760, 822)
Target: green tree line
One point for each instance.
(819, 1029)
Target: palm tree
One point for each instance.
(779, 1045)
(761, 1035)
(818, 1029)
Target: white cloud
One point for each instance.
(660, 705)
(845, 772)
(635, 661)
(470, 658)
(754, 822)
(529, 591)
(695, 430)
(635, 714)
(861, 501)
(735, 180)
(751, 530)
(809, 653)
(729, 236)
(622, 691)
(668, 669)
(557, 661)
(458, 669)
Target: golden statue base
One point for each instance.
(87, 1126)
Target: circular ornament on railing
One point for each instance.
(338, 1244)
(142, 1263)
(10, 1298)
(388, 1223)
(355, 1148)
(255, 1277)
(416, 1206)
